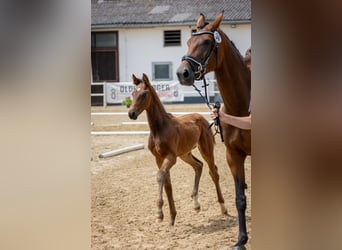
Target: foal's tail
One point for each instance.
(207, 131)
(206, 142)
(210, 133)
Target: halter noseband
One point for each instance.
(202, 66)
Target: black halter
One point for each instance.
(201, 66)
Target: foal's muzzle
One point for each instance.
(132, 114)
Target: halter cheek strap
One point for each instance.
(200, 71)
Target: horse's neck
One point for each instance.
(233, 79)
(156, 114)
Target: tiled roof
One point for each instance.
(137, 13)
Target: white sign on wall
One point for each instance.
(167, 91)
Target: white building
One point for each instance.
(135, 37)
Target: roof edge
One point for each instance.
(162, 24)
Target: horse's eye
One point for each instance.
(206, 42)
(143, 95)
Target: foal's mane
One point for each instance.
(154, 94)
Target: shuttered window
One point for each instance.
(172, 38)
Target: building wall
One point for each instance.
(139, 47)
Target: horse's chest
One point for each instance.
(159, 145)
(239, 140)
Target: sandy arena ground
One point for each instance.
(124, 193)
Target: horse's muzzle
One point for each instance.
(132, 114)
(185, 74)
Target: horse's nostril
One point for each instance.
(186, 73)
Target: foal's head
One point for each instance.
(142, 96)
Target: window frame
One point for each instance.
(169, 63)
(114, 50)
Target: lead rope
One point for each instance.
(216, 122)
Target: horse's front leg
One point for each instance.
(236, 164)
(163, 178)
(241, 204)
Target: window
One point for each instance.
(172, 38)
(162, 71)
(104, 56)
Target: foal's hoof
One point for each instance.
(197, 205)
(224, 210)
(173, 218)
(160, 217)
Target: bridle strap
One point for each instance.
(216, 122)
(201, 66)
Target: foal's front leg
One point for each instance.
(163, 178)
(168, 190)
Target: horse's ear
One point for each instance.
(135, 80)
(200, 22)
(216, 23)
(145, 79)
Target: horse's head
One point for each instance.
(201, 47)
(141, 96)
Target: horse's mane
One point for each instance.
(231, 42)
(234, 47)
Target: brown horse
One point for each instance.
(172, 137)
(209, 49)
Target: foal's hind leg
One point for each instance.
(206, 149)
(197, 166)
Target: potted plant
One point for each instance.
(127, 102)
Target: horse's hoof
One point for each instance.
(159, 220)
(239, 247)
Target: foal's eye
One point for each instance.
(143, 95)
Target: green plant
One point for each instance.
(127, 102)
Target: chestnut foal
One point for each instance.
(172, 137)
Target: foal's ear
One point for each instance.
(216, 23)
(200, 22)
(145, 79)
(135, 80)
